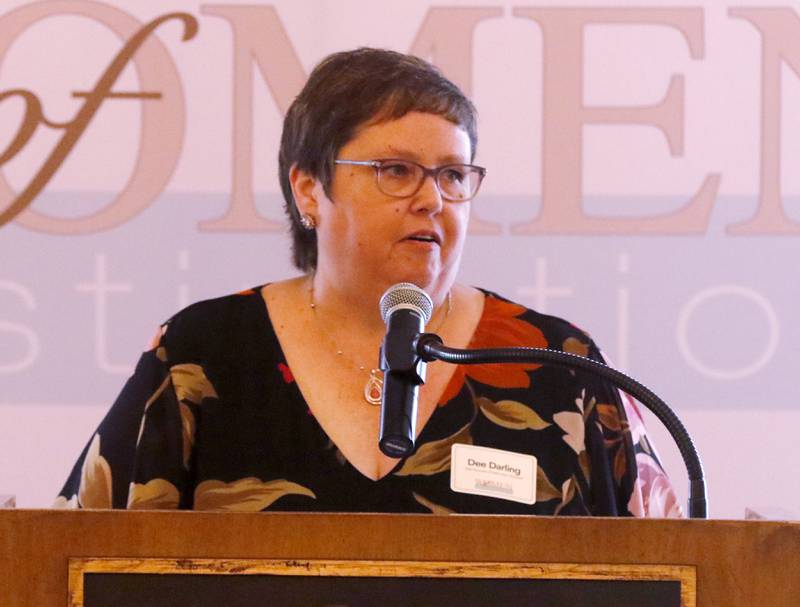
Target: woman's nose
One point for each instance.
(429, 197)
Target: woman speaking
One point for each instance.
(270, 399)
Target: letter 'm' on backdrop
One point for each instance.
(643, 181)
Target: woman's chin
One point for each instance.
(426, 278)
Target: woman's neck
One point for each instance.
(357, 309)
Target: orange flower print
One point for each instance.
(499, 327)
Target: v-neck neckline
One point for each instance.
(301, 400)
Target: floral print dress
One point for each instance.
(212, 419)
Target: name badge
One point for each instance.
(493, 472)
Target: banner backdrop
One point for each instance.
(642, 182)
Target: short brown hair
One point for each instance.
(345, 91)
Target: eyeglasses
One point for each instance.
(403, 178)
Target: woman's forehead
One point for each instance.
(413, 135)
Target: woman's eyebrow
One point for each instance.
(396, 152)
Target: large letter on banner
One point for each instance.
(564, 116)
(162, 119)
(258, 36)
(780, 35)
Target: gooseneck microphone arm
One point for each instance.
(429, 347)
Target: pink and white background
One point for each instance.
(643, 182)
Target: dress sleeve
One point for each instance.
(653, 494)
(140, 455)
(650, 494)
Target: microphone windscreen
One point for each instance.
(406, 295)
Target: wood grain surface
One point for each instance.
(738, 563)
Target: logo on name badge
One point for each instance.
(493, 472)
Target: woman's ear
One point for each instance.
(305, 192)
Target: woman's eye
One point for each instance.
(454, 174)
(396, 170)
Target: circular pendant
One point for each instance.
(373, 390)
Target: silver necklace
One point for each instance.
(373, 389)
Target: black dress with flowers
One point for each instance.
(212, 419)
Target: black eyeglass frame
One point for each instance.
(434, 172)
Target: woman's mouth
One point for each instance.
(429, 238)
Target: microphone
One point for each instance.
(405, 308)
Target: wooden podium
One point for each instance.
(89, 558)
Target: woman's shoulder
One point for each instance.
(206, 322)
(516, 324)
(217, 309)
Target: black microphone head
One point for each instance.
(405, 295)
